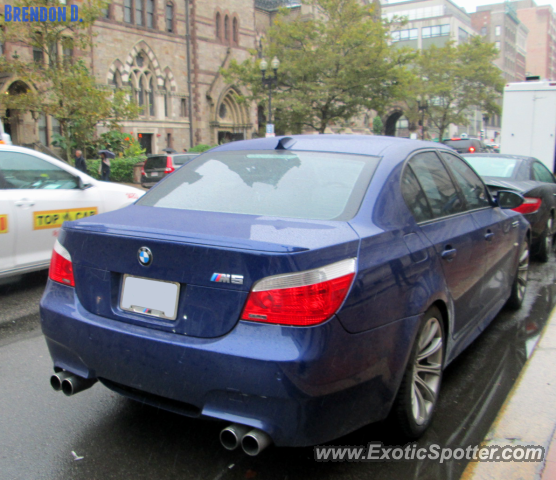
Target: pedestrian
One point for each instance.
(104, 167)
(185, 150)
(80, 162)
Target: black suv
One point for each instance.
(158, 166)
(465, 145)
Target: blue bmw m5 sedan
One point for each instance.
(297, 287)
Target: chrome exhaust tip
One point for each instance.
(230, 437)
(255, 442)
(74, 384)
(57, 379)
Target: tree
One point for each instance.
(334, 65)
(456, 79)
(378, 126)
(60, 85)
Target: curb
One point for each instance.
(528, 416)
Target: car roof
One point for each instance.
(499, 155)
(374, 145)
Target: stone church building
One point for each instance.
(170, 53)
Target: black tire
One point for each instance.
(520, 281)
(412, 413)
(546, 241)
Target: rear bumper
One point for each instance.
(303, 386)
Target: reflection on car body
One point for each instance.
(37, 194)
(368, 265)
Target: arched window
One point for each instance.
(138, 12)
(150, 13)
(151, 97)
(166, 97)
(218, 21)
(226, 28)
(169, 17)
(235, 32)
(141, 94)
(117, 80)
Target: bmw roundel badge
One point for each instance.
(145, 256)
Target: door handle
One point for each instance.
(24, 202)
(489, 236)
(449, 254)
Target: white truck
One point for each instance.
(529, 120)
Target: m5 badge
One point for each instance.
(227, 278)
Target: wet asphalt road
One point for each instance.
(119, 439)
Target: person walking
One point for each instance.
(104, 167)
(80, 162)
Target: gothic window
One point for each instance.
(151, 97)
(226, 28)
(142, 81)
(166, 97)
(218, 21)
(235, 32)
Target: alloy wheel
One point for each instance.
(427, 370)
(523, 272)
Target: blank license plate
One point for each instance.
(150, 297)
(154, 174)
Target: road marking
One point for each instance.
(55, 218)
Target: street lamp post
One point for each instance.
(422, 109)
(274, 64)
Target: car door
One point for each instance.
(455, 238)
(42, 198)
(498, 231)
(7, 226)
(541, 174)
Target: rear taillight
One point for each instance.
(169, 166)
(471, 149)
(143, 171)
(61, 268)
(300, 299)
(530, 205)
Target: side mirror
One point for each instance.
(508, 199)
(82, 185)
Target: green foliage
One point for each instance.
(334, 66)
(200, 148)
(454, 80)
(378, 126)
(121, 169)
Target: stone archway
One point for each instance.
(19, 124)
(230, 121)
(390, 124)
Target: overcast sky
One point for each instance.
(471, 5)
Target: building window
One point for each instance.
(166, 98)
(498, 30)
(169, 17)
(53, 54)
(497, 45)
(235, 32)
(169, 140)
(183, 109)
(150, 13)
(226, 29)
(218, 26)
(151, 97)
(38, 56)
(139, 12)
(403, 35)
(463, 36)
(483, 31)
(436, 31)
(43, 136)
(67, 53)
(55, 126)
(105, 11)
(127, 11)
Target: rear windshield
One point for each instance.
(493, 166)
(158, 161)
(460, 143)
(308, 185)
(181, 159)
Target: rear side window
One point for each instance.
(414, 196)
(437, 185)
(158, 161)
(181, 159)
(308, 185)
(541, 173)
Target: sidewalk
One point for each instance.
(528, 417)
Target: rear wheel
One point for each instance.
(545, 242)
(520, 282)
(414, 406)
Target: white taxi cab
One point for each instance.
(37, 194)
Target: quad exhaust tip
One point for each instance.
(69, 383)
(252, 440)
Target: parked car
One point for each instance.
(530, 178)
(465, 145)
(37, 194)
(297, 287)
(158, 166)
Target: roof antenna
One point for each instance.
(285, 143)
